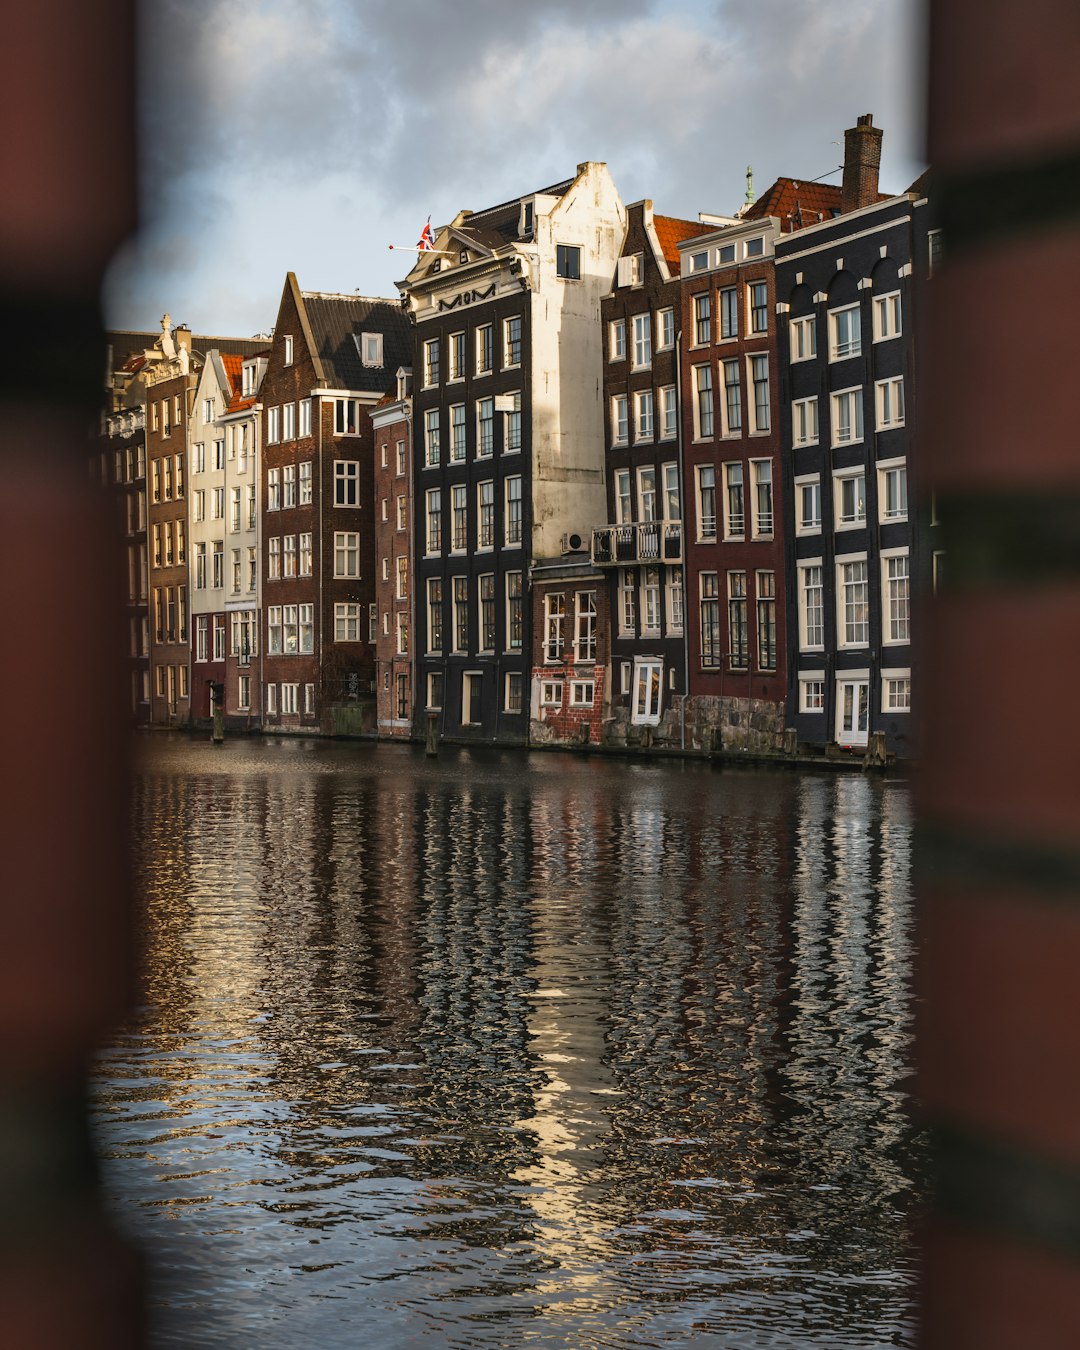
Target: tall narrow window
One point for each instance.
(703, 401)
(702, 319)
(734, 502)
(759, 374)
(729, 312)
(485, 426)
(485, 527)
(483, 349)
(554, 612)
(811, 608)
(732, 398)
(897, 600)
(709, 603)
(766, 620)
(585, 636)
(431, 436)
(515, 612)
(642, 340)
(757, 297)
(737, 621)
(459, 517)
(435, 614)
(855, 604)
(706, 496)
(761, 469)
(513, 510)
(461, 614)
(457, 433)
(487, 612)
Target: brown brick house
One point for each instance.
(331, 359)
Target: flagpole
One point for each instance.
(413, 248)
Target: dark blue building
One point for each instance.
(860, 541)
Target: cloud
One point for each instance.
(313, 135)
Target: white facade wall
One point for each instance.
(567, 357)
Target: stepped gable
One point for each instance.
(336, 324)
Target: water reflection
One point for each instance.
(498, 1049)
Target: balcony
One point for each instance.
(649, 541)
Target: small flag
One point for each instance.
(426, 242)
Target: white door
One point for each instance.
(852, 712)
(648, 683)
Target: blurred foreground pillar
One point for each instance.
(999, 797)
(67, 161)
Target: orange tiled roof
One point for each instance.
(670, 231)
(798, 204)
(240, 403)
(232, 364)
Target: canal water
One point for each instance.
(514, 1050)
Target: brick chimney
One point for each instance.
(862, 160)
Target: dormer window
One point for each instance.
(404, 383)
(463, 256)
(247, 375)
(526, 219)
(371, 349)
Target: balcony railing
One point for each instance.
(648, 541)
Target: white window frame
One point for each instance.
(843, 561)
(889, 400)
(665, 329)
(805, 424)
(812, 679)
(617, 340)
(803, 568)
(762, 524)
(732, 529)
(667, 413)
(620, 419)
(899, 676)
(346, 547)
(841, 347)
(643, 347)
(841, 477)
(856, 419)
(804, 526)
(887, 468)
(802, 338)
(888, 316)
(644, 416)
(890, 555)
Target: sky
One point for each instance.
(279, 137)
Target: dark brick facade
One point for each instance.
(168, 404)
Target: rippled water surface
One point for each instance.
(510, 1050)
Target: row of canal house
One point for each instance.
(599, 475)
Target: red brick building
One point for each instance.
(732, 475)
(393, 612)
(570, 622)
(331, 360)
